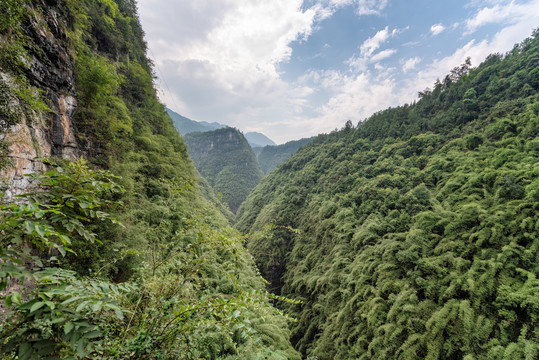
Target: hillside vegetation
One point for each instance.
(414, 235)
(120, 255)
(227, 162)
(271, 156)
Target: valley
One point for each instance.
(129, 231)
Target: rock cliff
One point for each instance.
(49, 75)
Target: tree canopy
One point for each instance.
(414, 234)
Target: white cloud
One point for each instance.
(220, 59)
(357, 96)
(325, 8)
(410, 64)
(501, 42)
(506, 13)
(372, 44)
(371, 7)
(383, 55)
(245, 39)
(436, 29)
(224, 66)
(367, 50)
(354, 97)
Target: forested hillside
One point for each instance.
(414, 235)
(227, 161)
(118, 255)
(271, 156)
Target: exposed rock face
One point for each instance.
(51, 71)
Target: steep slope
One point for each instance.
(186, 126)
(414, 235)
(227, 161)
(271, 156)
(256, 139)
(120, 255)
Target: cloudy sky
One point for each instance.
(297, 68)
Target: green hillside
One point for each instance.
(119, 256)
(415, 234)
(227, 161)
(271, 156)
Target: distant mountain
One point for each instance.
(226, 161)
(271, 156)
(185, 125)
(257, 139)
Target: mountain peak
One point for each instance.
(185, 125)
(257, 139)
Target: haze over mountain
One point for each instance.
(257, 139)
(186, 126)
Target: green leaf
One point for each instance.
(25, 351)
(50, 304)
(70, 300)
(65, 239)
(81, 347)
(16, 298)
(81, 306)
(58, 319)
(40, 229)
(37, 305)
(68, 327)
(97, 306)
(62, 250)
(29, 226)
(119, 314)
(92, 334)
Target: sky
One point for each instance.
(296, 68)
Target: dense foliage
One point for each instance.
(271, 156)
(226, 160)
(414, 235)
(139, 266)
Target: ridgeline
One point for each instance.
(227, 162)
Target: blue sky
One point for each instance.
(297, 68)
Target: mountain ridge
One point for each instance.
(257, 139)
(226, 160)
(185, 125)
